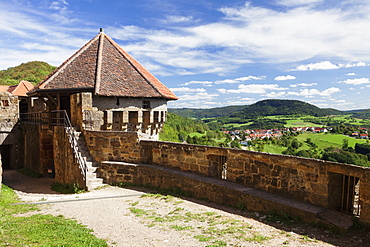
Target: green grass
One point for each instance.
(39, 230)
(323, 140)
(196, 134)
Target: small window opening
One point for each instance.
(146, 104)
(5, 102)
(156, 117)
(117, 102)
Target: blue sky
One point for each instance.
(211, 53)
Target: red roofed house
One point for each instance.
(123, 95)
(99, 90)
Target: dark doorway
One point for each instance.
(344, 193)
(5, 151)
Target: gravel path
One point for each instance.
(126, 217)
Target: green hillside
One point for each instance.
(177, 128)
(206, 113)
(273, 107)
(33, 72)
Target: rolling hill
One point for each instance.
(33, 72)
(270, 107)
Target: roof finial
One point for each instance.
(102, 30)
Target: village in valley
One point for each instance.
(249, 135)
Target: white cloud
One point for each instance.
(188, 90)
(351, 74)
(241, 79)
(198, 96)
(350, 65)
(249, 34)
(356, 81)
(312, 92)
(325, 65)
(176, 19)
(303, 85)
(252, 88)
(291, 3)
(206, 83)
(275, 94)
(285, 78)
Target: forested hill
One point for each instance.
(33, 72)
(272, 107)
(268, 107)
(206, 113)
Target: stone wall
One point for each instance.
(38, 148)
(308, 180)
(113, 145)
(66, 167)
(9, 129)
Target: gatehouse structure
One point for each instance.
(96, 120)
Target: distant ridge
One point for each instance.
(269, 107)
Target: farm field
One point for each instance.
(305, 121)
(322, 140)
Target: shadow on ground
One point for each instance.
(23, 183)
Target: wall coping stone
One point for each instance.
(119, 163)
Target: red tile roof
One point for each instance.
(103, 66)
(18, 90)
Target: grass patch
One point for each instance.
(217, 243)
(181, 228)
(203, 238)
(39, 230)
(257, 238)
(138, 211)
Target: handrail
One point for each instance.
(59, 118)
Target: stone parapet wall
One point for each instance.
(113, 145)
(308, 180)
(209, 189)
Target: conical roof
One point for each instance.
(103, 67)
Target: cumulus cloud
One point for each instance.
(252, 88)
(326, 65)
(241, 79)
(207, 83)
(275, 94)
(284, 78)
(303, 85)
(356, 81)
(350, 65)
(312, 92)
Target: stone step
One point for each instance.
(91, 176)
(92, 164)
(93, 186)
(92, 169)
(94, 183)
